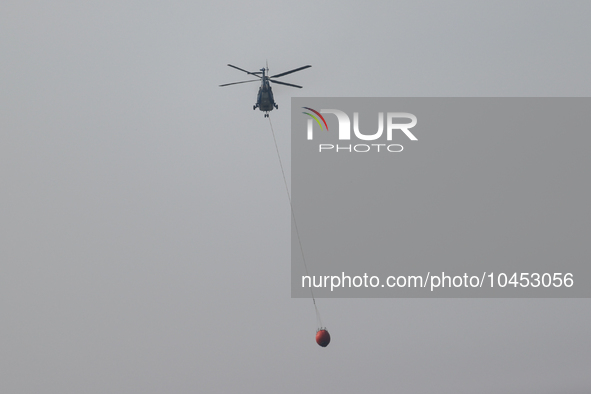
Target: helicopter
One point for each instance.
(265, 101)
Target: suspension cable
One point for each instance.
(318, 318)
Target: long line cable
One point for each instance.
(318, 318)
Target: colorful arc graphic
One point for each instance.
(315, 118)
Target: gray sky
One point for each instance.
(144, 224)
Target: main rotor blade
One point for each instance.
(285, 83)
(288, 72)
(235, 83)
(248, 72)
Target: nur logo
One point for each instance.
(392, 125)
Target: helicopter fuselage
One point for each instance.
(265, 101)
